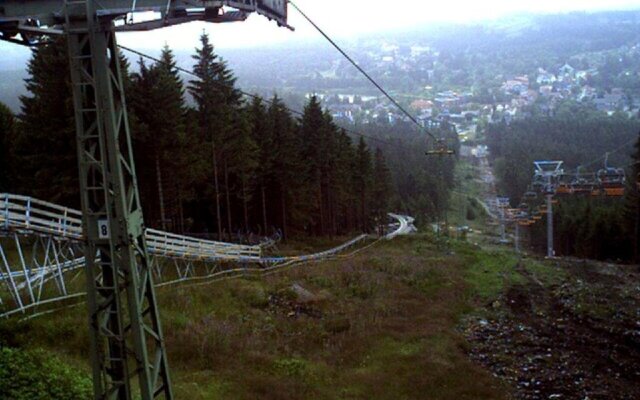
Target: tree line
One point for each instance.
(209, 160)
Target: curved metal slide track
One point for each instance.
(41, 258)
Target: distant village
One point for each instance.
(517, 97)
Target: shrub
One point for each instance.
(37, 375)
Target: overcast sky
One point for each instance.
(346, 19)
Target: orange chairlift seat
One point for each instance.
(612, 180)
(564, 187)
(530, 194)
(583, 184)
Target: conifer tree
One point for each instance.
(344, 191)
(45, 147)
(217, 100)
(362, 179)
(381, 187)
(242, 155)
(208, 98)
(6, 137)
(312, 151)
(157, 99)
(262, 137)
(329, 176)
(286, 163)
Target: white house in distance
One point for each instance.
(545, 78)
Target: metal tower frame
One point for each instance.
(125, 330)
(123, 313)
(549, 170)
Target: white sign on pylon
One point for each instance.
(103, 229)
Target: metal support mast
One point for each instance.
(550, 252)
(125, 331)
(547, 174)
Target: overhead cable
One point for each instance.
(363, 72)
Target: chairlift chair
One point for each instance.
(538, 184)
(530, 194)
(563, 187)
(612, 179)
(583, 184)
(440, 148)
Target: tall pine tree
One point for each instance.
(312, 150)
(286, 165)
(45, 147)
(208, 98)
(262, 137)
(362, 179)
(7, 125)
(157, 100)
(381, 187)
(217, 101)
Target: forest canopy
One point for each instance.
(210, 160)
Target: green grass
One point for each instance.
(464, 207)
(490, 272)
(382, 325)
(545, 272)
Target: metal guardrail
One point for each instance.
(28, 216)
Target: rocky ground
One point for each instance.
(577, 337)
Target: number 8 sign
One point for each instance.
(103, 229)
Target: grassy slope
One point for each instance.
(382, 325)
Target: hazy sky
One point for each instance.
(346, 18)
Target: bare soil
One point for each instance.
(577, 338)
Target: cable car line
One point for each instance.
(594, 161)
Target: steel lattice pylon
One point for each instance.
(126, 334)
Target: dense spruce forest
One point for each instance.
(212, 161)
(589, 227)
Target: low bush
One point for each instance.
(38, 375)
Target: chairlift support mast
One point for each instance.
(550, 171)
(125, 331)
